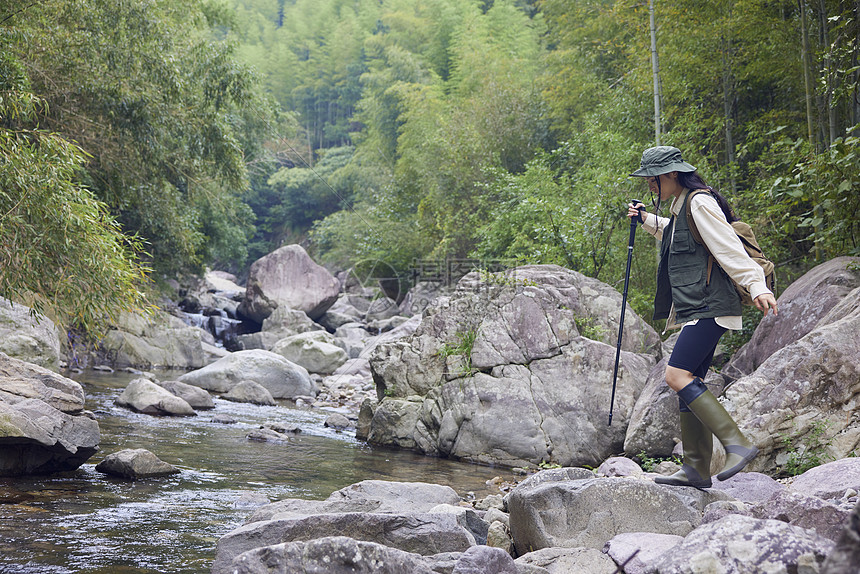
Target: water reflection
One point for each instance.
(87, 522)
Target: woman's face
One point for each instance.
(668, 187)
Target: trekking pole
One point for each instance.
(623, 304)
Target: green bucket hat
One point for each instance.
(661, 159)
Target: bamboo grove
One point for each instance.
(210, 132)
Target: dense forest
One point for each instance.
(151, 138)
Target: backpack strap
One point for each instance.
(691, 223)
(694, 231)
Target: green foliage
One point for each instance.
(60, 251)
(589, 328)
(462, 348)
(807, 450)
(166, 115)
(648, 462)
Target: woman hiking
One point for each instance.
(702, 300)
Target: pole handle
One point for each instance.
(641, 217)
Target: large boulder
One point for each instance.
(198, 398)
(158, 340)
(378, 496)
(283, 379)
(333, 555)
(36, 438)
(288, 276)
(502, 371)
(739, 544)
(846, 554)
(28, 337)
(135, 464)
(144, 396)
(831, 480)
(43, 427)
(315, 350)
(391, 513)
(423, 534)
(20, 380)
(801, 307)
(590, 512)
(796, 402)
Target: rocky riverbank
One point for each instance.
(506, 369)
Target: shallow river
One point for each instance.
(87, 522)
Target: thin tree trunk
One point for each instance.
(728, 99)
(655, 67)
(855, 99)
(807, 80)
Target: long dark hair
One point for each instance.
(692, 180)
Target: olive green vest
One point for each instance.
(682, 278)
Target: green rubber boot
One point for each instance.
(739, 450)
(698, 444)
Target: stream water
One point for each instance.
(85, 521)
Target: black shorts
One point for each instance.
(695, 347)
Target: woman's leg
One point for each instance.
(688, 364)
(691, 358)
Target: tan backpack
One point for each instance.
(747, 237)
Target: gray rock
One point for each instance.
(144, 396)
(20, 380)
(829, 480)
(496, 515)
(332, 555)
(381, 309)
(722, 508)
(401, 497)
(39, 439)
(468, 518)
(283, 379)
(534, 398)
(423, 534)
(568, 561)
(267, 435)
(337, 421)
(554, 475)
(198, 398)
(135, 464)
(483, 559)
(421, 296)
(803, 392)
(223, 419)
(590, 512)
(494, 501)
(285, 322)
(315, 350)
(249, 392)
(499, 536)
(846, 554)
(262, 340)
(801, 306)
(158, 340)
(805, 511)
(288, 276)
(751, 487)
(619, 466)
(639, 551)
(33, 339)
(378, 496)
(740, 544)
